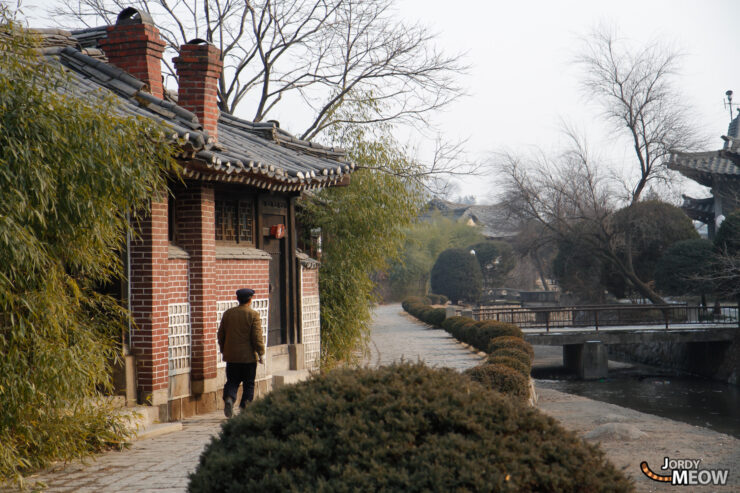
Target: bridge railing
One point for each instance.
(610, 315)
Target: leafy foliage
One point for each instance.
(496, 260)
(686, 268)
(650, 227)
(362, 227)
(425, 240)
(398, 428)
(727, 239)
(69, 173)
(457, 275)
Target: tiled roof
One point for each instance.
(259, 154)
(699, 209)
(705, 167)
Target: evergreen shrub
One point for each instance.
(511, 342)
(404, 427)
(513, 363)
(490, 329)
(502, 379)
(513, 352)
(437, 316)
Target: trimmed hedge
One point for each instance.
(502, 379)
(403, 427)
(512, 352)
(490, 329)
(513, 363)
(511, 342)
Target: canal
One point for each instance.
(666, 393)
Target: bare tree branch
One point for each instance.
(324, 51)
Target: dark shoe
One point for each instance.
(228, 407)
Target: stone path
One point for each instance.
(162, 464)
(397, 336)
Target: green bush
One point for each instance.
(513, 363)
(511, 342)
(437, 316)
(512, 352)
(490, 329)
(449, 323)
(399, 428)
(502, 379)
(457, 274)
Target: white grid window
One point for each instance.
(310, 316)
(261, 306)
(179, 337)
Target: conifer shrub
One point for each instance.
(404, 427)
(510, 342)
(502, 379)
(437, 316)
(513, 363)
(490, 329)
(449, 323)
(513, 352)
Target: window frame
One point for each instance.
(221, 197)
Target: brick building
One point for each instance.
(229, 222)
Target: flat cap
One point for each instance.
(244, 293)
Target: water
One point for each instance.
(694, 400)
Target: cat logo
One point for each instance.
(686, 472)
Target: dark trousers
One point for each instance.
(237, 373)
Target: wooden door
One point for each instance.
(276, 333)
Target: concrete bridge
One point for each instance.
(585, 331)
(585, 350)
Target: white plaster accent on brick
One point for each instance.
(310, 316)
(261, 306)
(179, 338)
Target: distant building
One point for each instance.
(718, 170)
(490, 218)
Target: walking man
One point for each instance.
(241, 343)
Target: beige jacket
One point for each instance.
(240, 335)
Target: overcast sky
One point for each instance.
(522, 82)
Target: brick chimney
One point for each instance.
(134, 45)
(198, 69)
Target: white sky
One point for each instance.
(522, 82)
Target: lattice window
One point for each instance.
(179, 338)
(261, 306)
(310, 315)
(246, 222)
(234, 221)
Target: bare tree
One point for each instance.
(634, 87)
(572, 202)
(568, 195)
(325, 52)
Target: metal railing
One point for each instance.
(597, 316)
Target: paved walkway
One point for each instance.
(162, 464)
(159, 464)
(397, 336)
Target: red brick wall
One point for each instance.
(234, 274)
(310, 285)
(149, 285)
(195, 233)
(177, 281)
